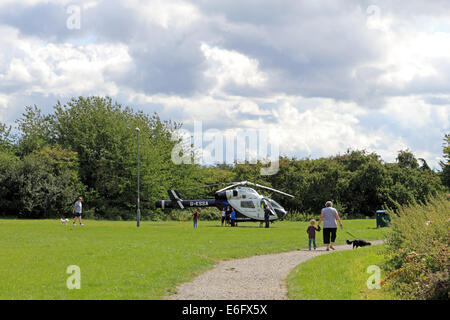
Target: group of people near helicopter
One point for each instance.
(228, 216)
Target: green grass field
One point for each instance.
(338, 276)
(120, 261)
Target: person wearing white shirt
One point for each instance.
(329, 216)
(223, 215)
(77, 209)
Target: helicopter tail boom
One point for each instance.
(176, 202)
(183, 204)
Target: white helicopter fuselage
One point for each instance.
(249, 203)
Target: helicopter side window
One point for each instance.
(247, 204)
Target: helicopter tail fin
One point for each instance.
(176, 198)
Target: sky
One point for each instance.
(322, 76)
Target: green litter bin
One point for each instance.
(383, 219)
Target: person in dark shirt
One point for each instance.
(266, 214)
(312, 233)
(228, 211)
(195, 216)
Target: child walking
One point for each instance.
(312, 233)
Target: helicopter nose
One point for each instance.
(280, 213)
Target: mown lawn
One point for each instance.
(119, 261)
(338, 276)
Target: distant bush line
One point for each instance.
(88, 147)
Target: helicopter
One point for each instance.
(246, 201)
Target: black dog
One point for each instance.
(358, 243)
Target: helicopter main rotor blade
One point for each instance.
(206, 186)
(243, 183)
(271, 189)
(232, 185)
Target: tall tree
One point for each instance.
(406, 159)
(34, 128)
(6, 139)
(102, 132)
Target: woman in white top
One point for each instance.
(329, 215)
(223, 214)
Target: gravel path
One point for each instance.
(256, 278)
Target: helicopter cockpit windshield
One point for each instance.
(278, 209)
(275, 205)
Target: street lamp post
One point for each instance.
(138, 217)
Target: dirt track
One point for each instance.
(258, 277)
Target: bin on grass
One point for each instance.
(383, 219)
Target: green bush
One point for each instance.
(294, 215)
(44, 184)
(418, 250)
(209, 214)
(89, 214)
(206, 214)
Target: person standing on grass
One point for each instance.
(77, 209)
(195, 216)
(266, 214)
(233, 217)
(223, 215)
(228, 211)
(329, 215)
(312, 233)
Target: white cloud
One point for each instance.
(60, 69)
(412, 56)
(30, 3)
(4, 99)
(412, 112)
(414, 46)
(229, 66)
(322, 130)
(165, 13)
(326, 128)
(90, 4)
(408, 112)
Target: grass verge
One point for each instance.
(338, 276)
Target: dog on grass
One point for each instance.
(358, 243)
(64, 221)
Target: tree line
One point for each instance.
(88, 147)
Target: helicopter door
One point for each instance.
(267, 202)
